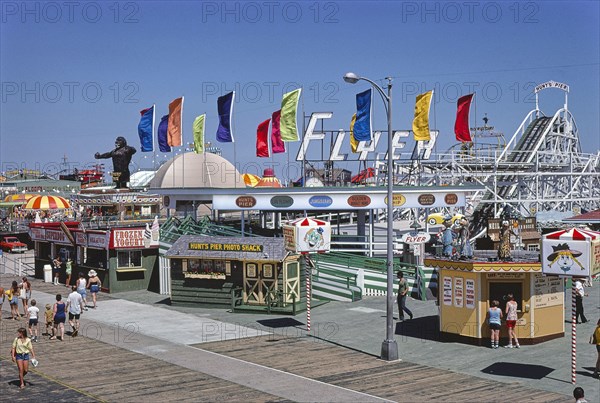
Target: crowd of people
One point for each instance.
(55, 316)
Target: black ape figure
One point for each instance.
(121, 157)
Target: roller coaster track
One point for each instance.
(541, 168)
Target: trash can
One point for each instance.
(47, 273)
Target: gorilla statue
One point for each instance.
(121, 157)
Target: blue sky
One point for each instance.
(75, 77)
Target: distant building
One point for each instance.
(329, 176)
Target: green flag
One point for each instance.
(289, 108)
(198, 130)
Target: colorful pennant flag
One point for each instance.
(174, 131)
(420, 124)
(362, 126)
(277, 145)
(461, 126)
(163, 143)
(198, 130)
(146, 129)
(262, 139)
(353, 141)
(225, 109)
(289, 109)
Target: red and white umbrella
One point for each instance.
(47, 203)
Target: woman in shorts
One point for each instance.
(494, 320)
(511, 321)
(81, 288)
(94, 285)
(59, 318)
(21, 349)
(12, 295)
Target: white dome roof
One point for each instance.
(141, 179)
(191, 170)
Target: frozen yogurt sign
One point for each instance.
(307, 235)
(128, 238)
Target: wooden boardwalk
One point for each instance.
(398, 381)
(82, 370)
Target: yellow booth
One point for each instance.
(466, 289)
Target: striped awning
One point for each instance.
(47, 203)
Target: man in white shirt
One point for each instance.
(579, 294)
(75, 306)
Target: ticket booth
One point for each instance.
(467, 288)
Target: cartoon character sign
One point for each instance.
(314, 238)
(564, 258)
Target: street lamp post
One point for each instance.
(389, 348)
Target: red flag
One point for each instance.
(174, 133)
(277, 145)
(262, 139)
(461, 126)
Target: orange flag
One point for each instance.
(174, 133)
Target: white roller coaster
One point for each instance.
(541, 167)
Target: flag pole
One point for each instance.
(183, 144)
(153, 147)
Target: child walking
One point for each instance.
(49, 319)
(33, 312)
(494, 321)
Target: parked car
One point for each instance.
(12, 244)
(438, 218)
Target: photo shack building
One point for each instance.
(244, 273)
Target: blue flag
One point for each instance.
(146, 129)
(163, 144)
(362, 126)
(225, 108)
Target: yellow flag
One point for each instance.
(421, 120)
(353, 141)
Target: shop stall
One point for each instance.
(245, 273)
(467, 289)
(125, 258)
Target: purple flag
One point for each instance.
(225, 108)
(163, 144)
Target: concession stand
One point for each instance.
(251, 273)
(466, 289)
(125, 258)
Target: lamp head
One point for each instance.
(351, 78)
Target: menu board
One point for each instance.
(458, 292)
(548, 291)
(470, 293)
(447, 290)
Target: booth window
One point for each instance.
(42, 250)
(207, 269)
(129, 258)
(500, 291)
(95, 258)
